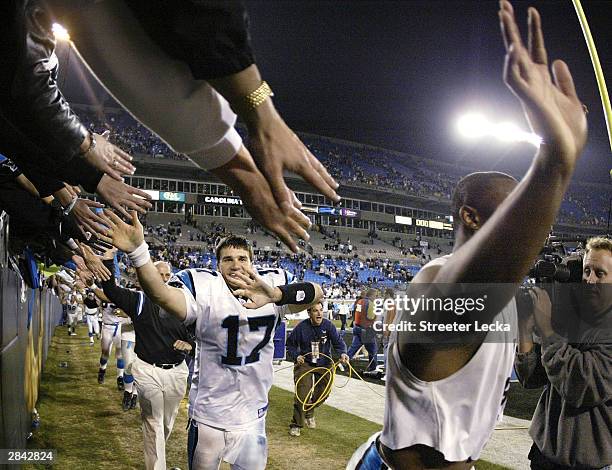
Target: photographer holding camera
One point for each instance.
(571, 424)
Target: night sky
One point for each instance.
(399, 74)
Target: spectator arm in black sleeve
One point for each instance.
(45, 185)
(83, 173)
(126, 299)
(30, 157)
(212, 37)
(40, 110)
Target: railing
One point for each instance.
(28, 318)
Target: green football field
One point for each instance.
(84, 421)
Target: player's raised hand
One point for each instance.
(86, 277)
(254, 288)
(125, 237)
(248, 182)
(552, 107)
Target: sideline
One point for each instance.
(508, 446)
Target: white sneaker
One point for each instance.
(310, 423)
(294, 431)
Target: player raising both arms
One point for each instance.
(235, 311)
(443, 400)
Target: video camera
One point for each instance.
(556, 264)
(554, 270)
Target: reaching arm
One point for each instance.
(101, 295)
(503, 249)
(130, 239)
(519, 226)
(126, 299)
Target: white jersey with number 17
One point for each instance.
(234, 349)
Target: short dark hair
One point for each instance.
(474, 190)
(233, 241)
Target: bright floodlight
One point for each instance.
(507, 132)
(473, 125)
(477, 126)
(60, 33)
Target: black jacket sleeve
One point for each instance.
(211, 36)
(45, 185)
(29, 94)
(31, 214)
(37, 126)
(336, 340)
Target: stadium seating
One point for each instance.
(585, 204)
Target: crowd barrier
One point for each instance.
(28, 319)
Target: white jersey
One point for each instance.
(455, 415)
(127, 329)
(78, 302)
(233, 365)
(108, 314)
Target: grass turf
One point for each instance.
(84, 421)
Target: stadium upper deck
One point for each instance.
(368, 169)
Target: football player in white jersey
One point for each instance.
(443, 401)
(111, 336)
(71, 313)
(91, 314)
(128, 343)
(235, 311)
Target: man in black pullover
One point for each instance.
(160, 371)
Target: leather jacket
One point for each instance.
(37, 126)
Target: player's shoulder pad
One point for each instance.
(275, 276)
(189, 278)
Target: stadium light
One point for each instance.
(473, 126)
(60, 33)
(476, 126)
